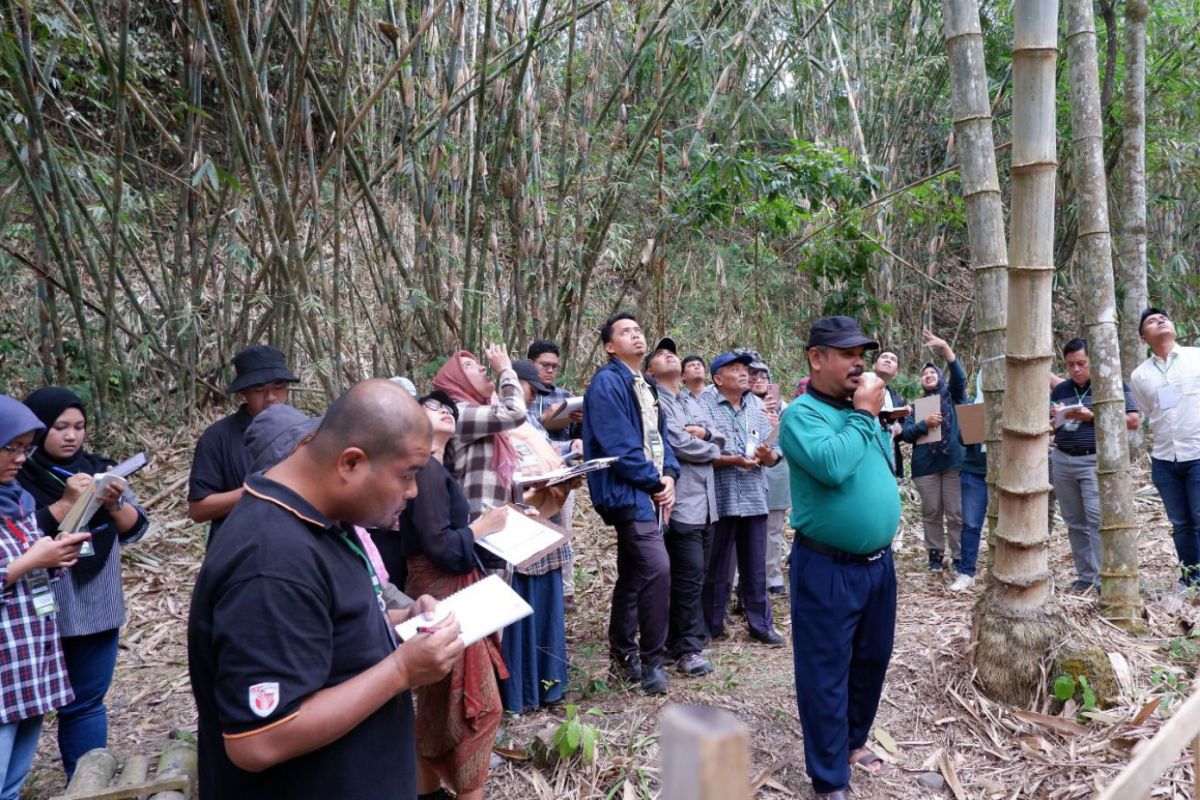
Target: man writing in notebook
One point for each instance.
(300, 687)
(622, 419)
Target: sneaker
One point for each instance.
(935, 560)
(1081, 587)
(694, 664)
(655, 680)
(962, 583)
(627, 670)
(777, 590)
(770, 638)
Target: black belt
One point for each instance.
(1077, 451)
(840, 555)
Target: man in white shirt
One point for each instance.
(1166, 387)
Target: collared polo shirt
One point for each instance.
(741, 492)
(1083, 437)
(221, 461)
(1177, 428)
(283, 608)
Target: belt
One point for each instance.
(1077, 451)
(840, 555)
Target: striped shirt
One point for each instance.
(741, 491)
(33, 675)
(1083, 437)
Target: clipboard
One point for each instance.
(527, 540)
(923, 407)
(970, 422)
(569, 407)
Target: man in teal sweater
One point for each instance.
(845, 509)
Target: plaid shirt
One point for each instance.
(33, 675)
(544, 402)
(741, 492)
(473, 447)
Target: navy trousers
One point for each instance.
(843, 623)
(748, 537)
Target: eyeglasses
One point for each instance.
(549, 366)
(16, 450)
(435, 406)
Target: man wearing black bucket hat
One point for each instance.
(221, 461)
(845, 509)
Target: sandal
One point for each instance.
(867, 762)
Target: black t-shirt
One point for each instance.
(1083, 437)
(283, 609)
(221, 461)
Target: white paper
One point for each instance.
(1060, 416)
(481, 609)
(520, 539)
(773, 435)
(568, 407)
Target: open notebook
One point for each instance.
(481, 609)
(523, 539)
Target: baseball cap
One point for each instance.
(665, 343)
(528, 372)
(840, 332)
(725, 359)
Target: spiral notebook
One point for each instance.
(481, 609)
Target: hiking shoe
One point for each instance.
(962, 583)
(935, 560)
(1081, 587)
(694, 664)
(769, 637)
(655, 680)
(777, 590)
(627, 670)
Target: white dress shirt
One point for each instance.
(1168, 393)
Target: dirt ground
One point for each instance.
(932, 718)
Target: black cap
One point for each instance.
(258, 365)
(840, 332)
(528, 372)
(1150, 312)
(665, 343)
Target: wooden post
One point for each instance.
(1156, 756)
(705, 754)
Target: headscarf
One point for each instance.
(43, 475)
(15, 420)
(941, 446)
(452, 379)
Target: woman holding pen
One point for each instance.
(91, 607)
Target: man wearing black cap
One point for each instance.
(845, 509)
(1166, 387)
(221, 462)
(741, 500)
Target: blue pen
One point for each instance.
(63, 472)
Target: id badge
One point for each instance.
(528, 458)
(86, 549)
(656, 448)
(41, 593)
(751, 444)
(1168, 397)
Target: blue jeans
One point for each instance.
(974, 511)
(18, 744)
(1178, 483)
(83, 723)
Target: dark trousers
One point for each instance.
(83, 723)
(688, 547)
(748, 537)
(642, 594)
(1178, 484)
(843, 622)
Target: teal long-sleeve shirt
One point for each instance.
(844, 493)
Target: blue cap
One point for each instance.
(725, 359)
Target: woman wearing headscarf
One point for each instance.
(33, 674)
(90, 600)
(935, 465)
(484, 457)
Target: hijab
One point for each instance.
(45, 475)
(941, 446)
(15, 420)
(452, 379)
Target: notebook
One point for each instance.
(481, 609)
(523, 539)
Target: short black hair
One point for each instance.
(693, 357)
(606, 331)
(1150, 312)
(541, 347)
(1074, 346)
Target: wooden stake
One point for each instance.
(705, 754)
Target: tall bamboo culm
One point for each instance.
(1016, 622)
(1131, 246)
(974, 144)
(1120, 600)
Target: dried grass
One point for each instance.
(932, 710)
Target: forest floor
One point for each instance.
(932, 718)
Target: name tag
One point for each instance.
(1168, 397)
(657, 453)
(751, 444)
(41, 593)
(528, 458)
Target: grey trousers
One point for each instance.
(776, 546)
(1078, 491)
(568, 570)
(941, 497)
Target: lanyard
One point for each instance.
(740, 423)
(1170, 363)
(1079, 397)
(375, 584)
(15, 530)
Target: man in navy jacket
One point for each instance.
(622, 418)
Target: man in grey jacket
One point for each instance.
(689, 531)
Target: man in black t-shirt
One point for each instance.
(300, 687)
(220, 463)
(1073, 462)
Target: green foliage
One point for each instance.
(576, 737)
(1067, 687)
(1171, 683)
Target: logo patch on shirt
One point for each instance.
(264, 698)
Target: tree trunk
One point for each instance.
(1120, 600)
(1017, 620)
(1131, 244)
(985, 214)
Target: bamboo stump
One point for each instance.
(101, 775)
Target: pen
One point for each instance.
(63, 472)
(422, 629)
